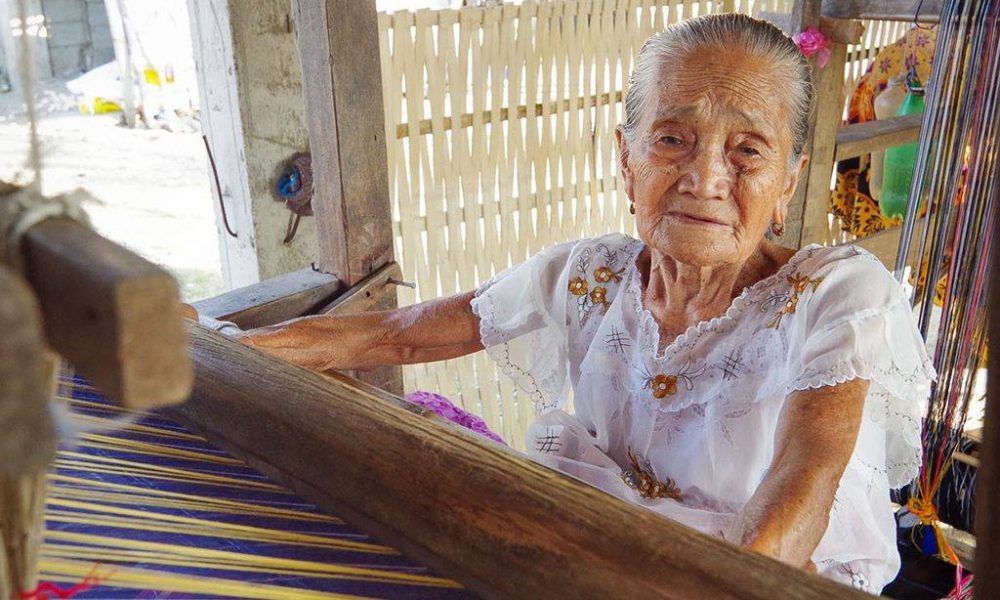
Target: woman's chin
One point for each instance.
(697, 246)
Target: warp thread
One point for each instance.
(47, 590)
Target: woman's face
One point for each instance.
(710, 166)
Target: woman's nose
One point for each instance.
(706, 176)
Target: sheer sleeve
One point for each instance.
(858, 324)
(523, 324)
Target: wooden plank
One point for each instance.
(885, 245)
(371, 294)
(479, 512)
(338, 46)
(829, 83)
(887, 10)
(113, 314)
(858, 139)
(29, 440)
(273, 300)
(988, 481)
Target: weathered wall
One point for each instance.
(78, 35)
(250, 83)
(37, 33)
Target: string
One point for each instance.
(27, 72)
(92, 518)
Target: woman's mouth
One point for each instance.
(697, 219)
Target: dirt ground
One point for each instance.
(152, 186)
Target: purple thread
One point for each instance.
(460, 416)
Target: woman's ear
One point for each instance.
(792, 182)
(623, 154)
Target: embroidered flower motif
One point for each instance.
(799, 283)
(599, 296)
(662, 386)
(639, 476)
(578, 286)
(606, 274)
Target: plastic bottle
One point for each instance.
(887, 104)
(899, 161)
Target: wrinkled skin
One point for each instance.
(709, 170)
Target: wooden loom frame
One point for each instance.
(512, 527)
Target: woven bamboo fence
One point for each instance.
(500, 126)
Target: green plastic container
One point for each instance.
(899, 161)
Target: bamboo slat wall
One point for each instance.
(500, 126)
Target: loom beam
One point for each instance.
(113, 314)
(485, 515)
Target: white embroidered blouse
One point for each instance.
(689, 432)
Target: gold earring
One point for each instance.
(631, 207)
(778, 229)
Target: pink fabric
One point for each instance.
(812, 41)
(446, 409)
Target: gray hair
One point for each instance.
(754, 36)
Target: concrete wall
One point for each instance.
(35, 29)
(78, 36)
(250, 82)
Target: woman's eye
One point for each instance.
(671, 140)
(749, 151)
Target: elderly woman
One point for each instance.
(757, 393)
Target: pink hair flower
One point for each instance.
(812, 41)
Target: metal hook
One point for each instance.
(395, 281)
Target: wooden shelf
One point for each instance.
(888, 10)
(862, 138)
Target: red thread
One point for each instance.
(49, 591)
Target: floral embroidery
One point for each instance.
(588, 297)
(662, 386)
(605, 274)
(578, 286)
(799, 284)
(599, 297)
(639, 476)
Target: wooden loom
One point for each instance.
(513, 528)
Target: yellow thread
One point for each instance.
(133, 494)
(159, 472)
(229, 528)
(64, 571)
(239, 558)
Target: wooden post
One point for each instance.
(470, 508)
(338, 47)
(988, 484)
(339, 51)
(27, 445)
(813, 194)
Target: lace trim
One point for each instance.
(647, 323)
(500, 353)
(904, 445)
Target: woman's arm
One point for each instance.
(436, 330)
(789, 513)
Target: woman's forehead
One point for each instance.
(704, 87)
